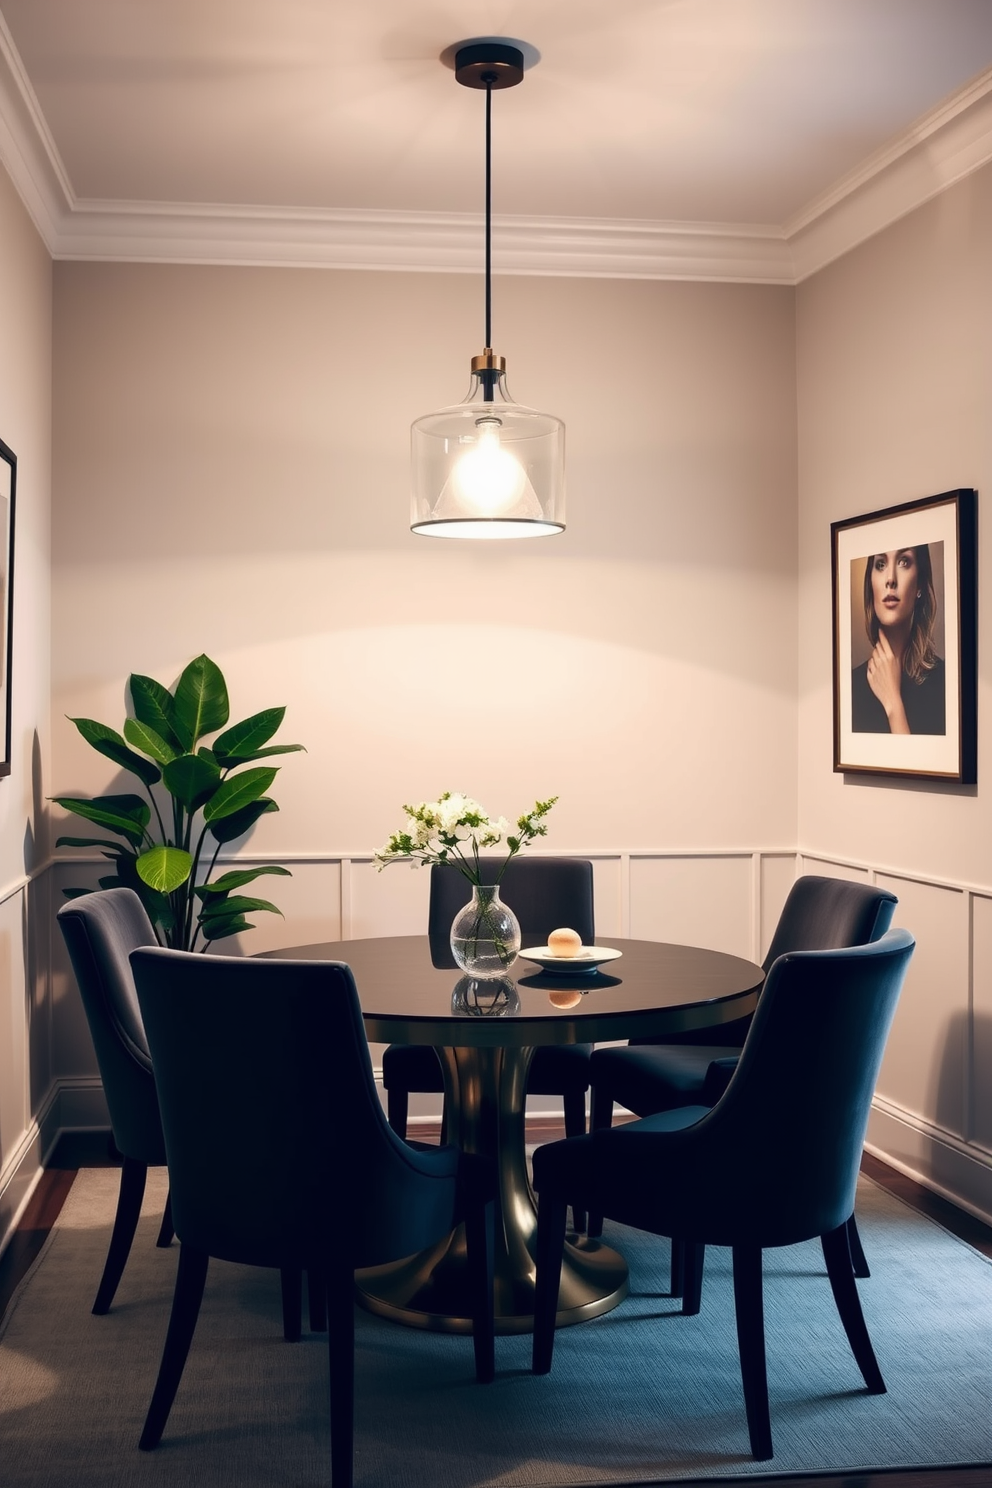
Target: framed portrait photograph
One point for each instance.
(905, 638)
(8, 491)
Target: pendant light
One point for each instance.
(488, 467)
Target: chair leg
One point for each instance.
(692, 1275)
(751, 1346)
(317, 1299)
(480, 1225)
(291, 1278)
(574, 1102)
(677, 1286)
(601, 1116)
(190, 1278)
(132, 1190)
(167, 1230)
(858, 1258)
(551, 1213)
(398, 1110)
(341, 1359)
(837, 1255)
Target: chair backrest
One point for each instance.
(819, 914)
(776, 1160)
(545, 894)
(100, 931)
(824, 914)
(279, 1151)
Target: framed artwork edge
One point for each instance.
(952, 756)
(8, 458)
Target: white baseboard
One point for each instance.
(940, 1161)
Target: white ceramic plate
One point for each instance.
(587, 959)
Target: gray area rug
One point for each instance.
(642, 1395)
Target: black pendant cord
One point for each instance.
(489, 217)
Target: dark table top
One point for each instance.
(652, 989)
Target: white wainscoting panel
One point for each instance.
(933, 1111)
(979, 1115)
(924, 1068)
(703, 900)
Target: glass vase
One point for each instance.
(485, 934)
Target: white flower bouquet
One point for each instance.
(455, 829)
(485, 935)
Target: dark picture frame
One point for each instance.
(8, 498)
(907, 574)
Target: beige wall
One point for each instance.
(25, 425)
(895, 392)
(231, 476)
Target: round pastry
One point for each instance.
(564, 943)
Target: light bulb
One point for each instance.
(487, 477)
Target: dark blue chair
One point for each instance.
(773, 1163)
(651, 1075)
(545, 894)
(100, 931)
(265, 1084)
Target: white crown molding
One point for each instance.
(941, 148)
(27, 148)
(424, 242)
(947, 144)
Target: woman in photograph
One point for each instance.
(900, 688)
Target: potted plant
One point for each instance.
(197, 797)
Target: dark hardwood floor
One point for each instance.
(94, 1150)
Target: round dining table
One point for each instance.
(485, 1034)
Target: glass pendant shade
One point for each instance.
(488, 467)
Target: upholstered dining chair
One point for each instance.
(545, 894)
(282, 1043)
(773, 1163)
(647, 1076)
(100, 931)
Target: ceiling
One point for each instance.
(717, 138)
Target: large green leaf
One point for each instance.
(236, 879)
(164, 868)
(236, 904)
(242, 739)
(240, 822)
(125, 815)
(220, 928)
(148, 740)
(244, 759)
(158, 905)
(201, 701)
(154, 704)
(191, 779)
(238, 791)
(108, 742)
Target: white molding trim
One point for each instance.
(939, 149)
(958, 1171)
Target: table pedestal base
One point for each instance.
(428, 1290)
(484, 1096)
